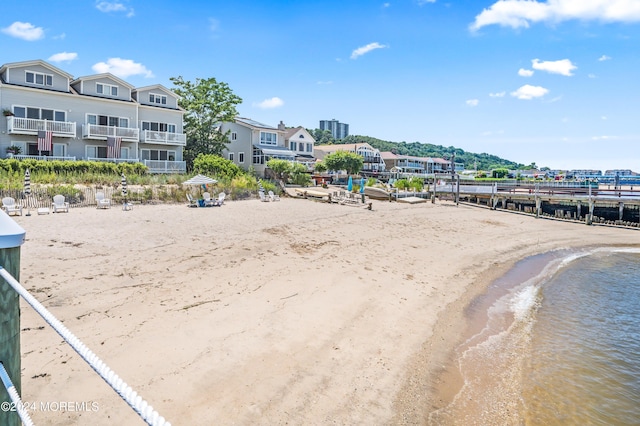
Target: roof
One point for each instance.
(35, 62)
(155, 87)
(276, 150)
(253, 123)
(104, 75)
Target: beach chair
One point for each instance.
(208, 201)
(59, 204)
(102, 202)
(221, 197)
(263, 197)
(273, 197)
(192, 202)
(9, 205)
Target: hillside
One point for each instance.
(471, 160)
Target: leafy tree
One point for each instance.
(282, 168)
(320, 167)
(211, 164)
(322, 137)
(344, 160)
(299, 174)
(207, 103)
(499, 173)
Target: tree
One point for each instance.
(320, 167)
(322, 137)
(344, 160)
(211, 164)
(207, 104)
(282, 168)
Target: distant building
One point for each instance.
(338, 130)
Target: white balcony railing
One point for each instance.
(96, 131)
(162, 166)
(166, 138)
(114, 160)
(43, 157)
(30, 126)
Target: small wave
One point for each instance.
(524, 302)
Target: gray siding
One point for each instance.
(89, 87)
(18, 75)
(142, 96)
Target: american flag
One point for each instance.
(45, 138)
(113, 146)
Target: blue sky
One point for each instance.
(553, 82)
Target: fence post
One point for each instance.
(11, 238)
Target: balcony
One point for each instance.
(96, 131)
(165, 166)
(30, 126)
(165, 138)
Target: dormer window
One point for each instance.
(39, 78)
(157, 99)
(301, 136)
(106, 89)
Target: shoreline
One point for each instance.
(266, 312)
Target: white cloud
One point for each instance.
(521, 13)
(497, 95)
(122, 68)
(525, 73)
(528, 92)
(366, 49)
(60, 37)
(63, 57)
(24, 30)
(274, 102)
(472, 102)
(112, 6)
(562, 67)
(604, 58)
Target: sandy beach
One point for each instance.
(289, 312)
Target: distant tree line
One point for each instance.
(471, 160)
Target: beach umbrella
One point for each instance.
(199, 180)
(362, 185)
(27, 188)
(350, 184)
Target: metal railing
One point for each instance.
(165, 138)
(102, 132)
(30, 126)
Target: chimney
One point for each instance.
(281, 126)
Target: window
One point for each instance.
(309, 147)
(157, 155)
(231, 156)
(268, 138)
(293, 146)
(94, 151)
(59, 150)
(39, 78)
(39, 114)
(241, 157)
(258, 158)
(158, 127)
(157, 99)
(107, 120)
(106, 89)
(234, 136)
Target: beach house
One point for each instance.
(418, 165)
(252, 144)
(372, 161)
(300, 141)
(50, 115)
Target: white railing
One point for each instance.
(96, 131)
(162, 166)
(30, 126)
(114, 160)
(43, 157)
(166, 138)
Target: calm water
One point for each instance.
(554, 342)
